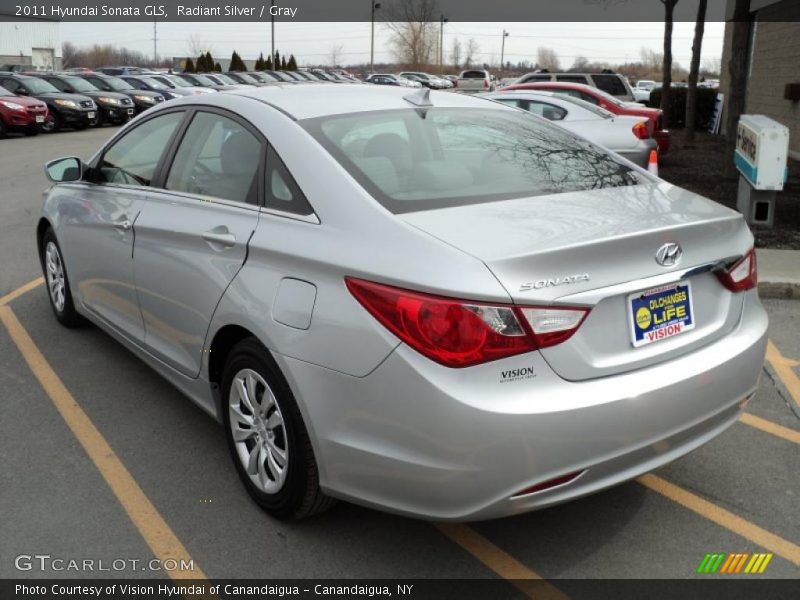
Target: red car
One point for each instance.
(18, 113)
(607, 101)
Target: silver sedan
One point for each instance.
(628, 136)
(417, 301)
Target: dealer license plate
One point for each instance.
(130, 112)
(660, 313)
(40, 118)
(91, 115)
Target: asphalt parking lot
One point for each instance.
(164, 484)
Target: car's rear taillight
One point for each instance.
(461, 333)
(742, 275)
(641, 131)
(486, 83)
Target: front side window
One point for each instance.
(57, 83)
(412, 160)
(217, 157)
(132, 160)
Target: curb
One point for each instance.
(779, 289)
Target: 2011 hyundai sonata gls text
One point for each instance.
(418, 301)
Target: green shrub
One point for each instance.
(675, 113)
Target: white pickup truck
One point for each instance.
(474, 81)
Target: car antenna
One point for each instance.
(421, 97)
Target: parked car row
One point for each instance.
(78, 98)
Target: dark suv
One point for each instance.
(64, 110)
(113, 107)
(142, 99)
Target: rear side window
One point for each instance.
(282, 191)
(132, 160)
(217, 157)
(572, 78)
(452, 157)
(611, 84)
(549, 111)
(532, 78)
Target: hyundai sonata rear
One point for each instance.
(421, 302)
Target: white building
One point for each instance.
(34, 42)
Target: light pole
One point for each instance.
(442, 21)
(503, 50)
(272, 36)
(375, 6)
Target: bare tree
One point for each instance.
(471, 51)
(712, 67)
(69, 55)
(737, 69)
(547, 59)
(414, 34)
(666, 77)
(651, 60)
(455, 52)
(335, 53)
(198, 45)
(580, 64)
(694, 70)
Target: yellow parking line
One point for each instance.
(783, 368)
(21, 290)
(155, 531)
(780, 431)
(506, 566)
(724, 518)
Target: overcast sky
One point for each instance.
(311, 43)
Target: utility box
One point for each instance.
(762, 147)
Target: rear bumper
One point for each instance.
(416, 438)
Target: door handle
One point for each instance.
(123, 225)
(223, 238)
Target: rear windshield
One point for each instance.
(421, 159)
(473, 75)
(611, 84)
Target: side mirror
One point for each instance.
(62, 170)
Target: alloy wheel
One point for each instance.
(55, 276)
(258, 431)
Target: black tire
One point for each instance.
(3, 131)
(66, 315)
(300, 495)
(52, 123)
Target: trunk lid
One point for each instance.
(596, 249)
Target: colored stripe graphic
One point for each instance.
(711, 562)
(734, 563)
